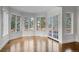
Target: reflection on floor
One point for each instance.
(31, 44)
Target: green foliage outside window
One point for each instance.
(31, 23)
(13, 22)
(18, 23)
(42, 21)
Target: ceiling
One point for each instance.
(33, 9)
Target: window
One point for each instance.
(15, 23)
(55, 26)
(38, 23)
(31, 23)
(50, 26)
(26, 23)
(41, 23)
(50, 22)
(13, 20)
(68, 23)
(18, 23)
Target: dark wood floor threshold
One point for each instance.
(53, 40)
(72, 45)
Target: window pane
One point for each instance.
(55, 26)
(38, 23)
(18, 23)
(41, 23)
(26, 24)
(50, 22)
(50, 25)
(13, 18)
(31, 23)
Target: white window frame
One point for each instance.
(15, 22)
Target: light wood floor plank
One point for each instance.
(31, 44)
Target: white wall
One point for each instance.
(69, 37)
(4, 30)
(77, 13)
(0, 24)
(5, 22)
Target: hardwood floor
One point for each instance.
(68, 46)
(31, 44)
(73, 46)
(39, 44)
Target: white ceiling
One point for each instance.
(33, 9)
